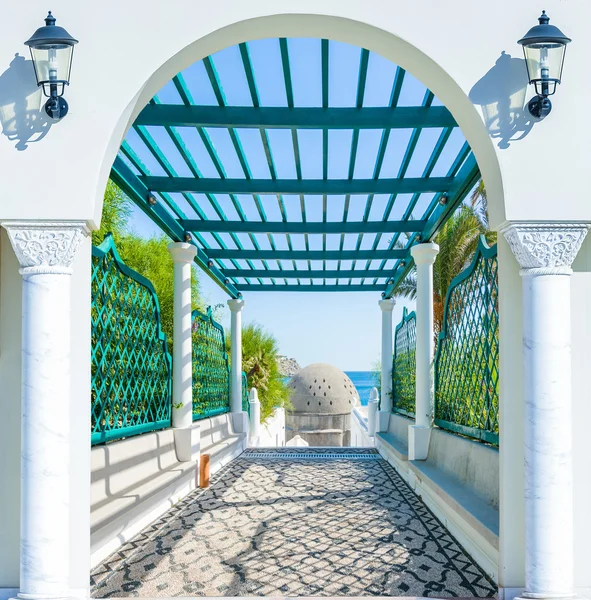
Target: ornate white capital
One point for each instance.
(424, 254)
(545, 248)
(43, 247)
(182, 253)
(387, 305)
(236, 305)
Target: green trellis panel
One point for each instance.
(404, 365)
(245, 394)
(467, 358)
(131, 368)
(211, 368)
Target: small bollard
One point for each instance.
(372, 412)
(204, 471)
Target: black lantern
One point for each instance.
(52, 48)
(544, 47)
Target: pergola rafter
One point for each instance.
(216, 192)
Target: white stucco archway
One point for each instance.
(128, 50)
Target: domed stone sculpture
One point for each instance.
(322, 397)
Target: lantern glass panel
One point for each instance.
(544, 65)
(52, 64)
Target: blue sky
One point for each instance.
(339, 328)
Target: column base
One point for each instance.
(20, 596)
(418, 442)
(383, 421)
(240, 422)
(187, 443)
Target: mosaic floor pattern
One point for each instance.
(279, 525)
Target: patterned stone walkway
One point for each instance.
(303, 526)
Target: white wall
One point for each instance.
(408, 32)
(10, 411)
(581, 370)
(273, 430)
(360, 437)
(80, 423)
(511, 426)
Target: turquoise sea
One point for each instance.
(363, 381)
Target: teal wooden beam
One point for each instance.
(202, 226)
(306, 274)
(402, 117)
(255, 254)
(319, 187)
(130, 184)
(310, 288)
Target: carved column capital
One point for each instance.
(545, 248)
(45, 247)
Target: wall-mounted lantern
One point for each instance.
(544, 47)
(52, 48)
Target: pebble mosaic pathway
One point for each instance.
(307, 522)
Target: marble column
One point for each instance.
(545, 252)
(45, 252)
(386, 306)
(236, 305)
(182, 353)
(419, 434)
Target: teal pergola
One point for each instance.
(160, 169)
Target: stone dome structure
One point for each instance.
(322, 389)
(322, 399)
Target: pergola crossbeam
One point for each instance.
(305, 254)
(323, 228)
(410, 185)
(401, 117)
(311, 288)
(308, 274)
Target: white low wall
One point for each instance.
(360, 437)
(273, 430)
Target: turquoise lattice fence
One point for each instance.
(404, 365)
(211, 368)
(467, 358)
(131, 368)
(245, 393)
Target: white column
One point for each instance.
(545, 253)
(255, 417)
(386, 306)
(45, 252)
(182, 353)
(419, 434)
(236, 305)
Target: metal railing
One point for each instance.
(467, 357)
(404, 365)
(131, 386)
(211, 368)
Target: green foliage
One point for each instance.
(115, 218)
(259, 361)
(149, 257)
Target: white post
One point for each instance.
(240, 421)
(372, 412)
(45, 252)
(419, 434)
(182, 353)
(387, 306)
(255, 417)
(545, 253)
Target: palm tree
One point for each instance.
(458, 240)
